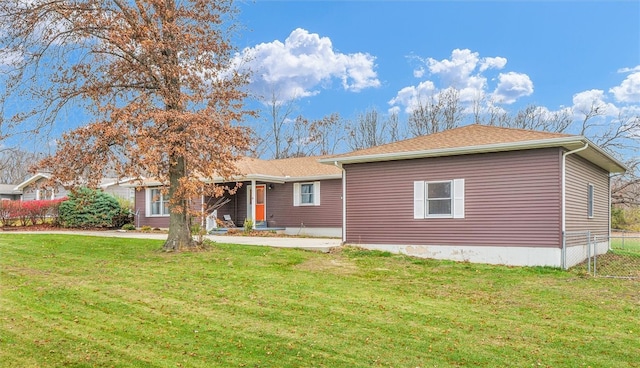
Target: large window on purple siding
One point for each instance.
(157, 203)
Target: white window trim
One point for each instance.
(591, 200)
(297, 194)
(420, 199)
(148, 203)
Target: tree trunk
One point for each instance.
(179, 231)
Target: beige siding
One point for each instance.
(29, 192)
(120, 191)
(579, 174)
(511, 199)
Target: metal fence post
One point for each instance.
(595, 255)
(589, 252)
(563, 253)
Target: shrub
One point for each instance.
(128, 227)
(29, 212)
(89, 208)
(248, 226)
(6, 210)
(146, 228)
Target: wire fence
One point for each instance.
(576, 249)
(615, 255)
(622, 260)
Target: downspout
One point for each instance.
(564, 199)
(344, 201)
(609, 211)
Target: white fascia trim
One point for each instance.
(117, 182)
(500, 147)
(258, 177)
(274, 179)
(32, 179)
(312, 178)
(147, 184)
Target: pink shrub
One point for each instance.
(29, 212)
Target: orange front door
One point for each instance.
(260, 209)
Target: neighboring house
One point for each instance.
(8, 192)
(35, 188)
(299, 195)
(118, 188)
(479, 194)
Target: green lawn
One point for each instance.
(70, 301)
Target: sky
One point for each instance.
(350, 56)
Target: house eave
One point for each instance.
(20, 187)
(594, 154)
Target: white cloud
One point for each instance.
(512, 86)
(466, 71)
(304, 64)
(629, 89)
(409, 97)
(10, 57)
(455, 72)
(585, 101)
(629, 70)
(492, 63)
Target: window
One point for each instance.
(306, 194)
(44, 194)
(157, 203)
(438, 198)
(590, 190)
(443, 199)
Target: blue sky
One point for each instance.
(349, 56)
(557, 54)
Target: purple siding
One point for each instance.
(141, 210)
(511, 199)
(282, 213)
(580, 173)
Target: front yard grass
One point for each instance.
(89, 301)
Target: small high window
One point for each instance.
(590, 201)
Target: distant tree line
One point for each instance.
(291, 135)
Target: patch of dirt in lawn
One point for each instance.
(333, 265)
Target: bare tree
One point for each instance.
(438, 112)
(368, 130)
(327, 134)
(15, 164)
(156, 76)
(279, 114)
(621, 136)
